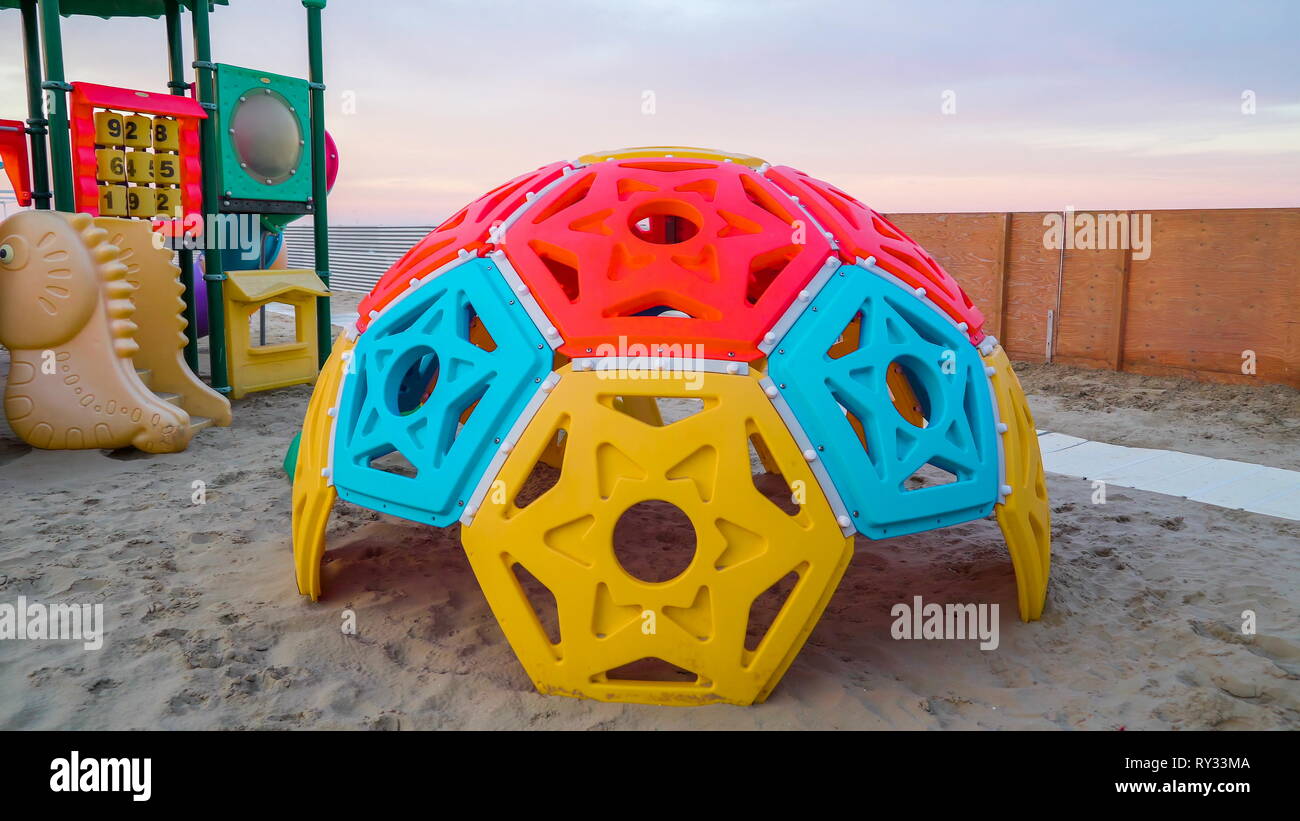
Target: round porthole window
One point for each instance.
(267, 139)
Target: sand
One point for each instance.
(1249, 423)
(206, 629)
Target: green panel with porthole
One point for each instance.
(265, 135)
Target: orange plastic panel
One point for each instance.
(862, 232)
(621, 241)
(13, 154)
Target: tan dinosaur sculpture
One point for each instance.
(66, 309)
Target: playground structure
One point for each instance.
(156, 169)
(555, 329)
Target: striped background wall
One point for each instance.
(359, 254)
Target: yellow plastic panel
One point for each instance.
(167, 169)
(644, 408)
(108, 128)
(110, 165)
(166, 134)
(697, 621)
(140, 202)
(137, 131)
(254, 286)
(112, 200)
(167, 200)
(139, 166)
(313, 495)
(765, 457)
(1025, 516)
(677, 151)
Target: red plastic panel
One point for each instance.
(623, 239)
(13, 152)
(862, 232)
(467, 229)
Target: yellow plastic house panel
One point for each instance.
(264, 367)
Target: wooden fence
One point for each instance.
(1215, 286)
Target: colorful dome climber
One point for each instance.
(655, 326)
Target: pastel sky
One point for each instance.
(1106, 105)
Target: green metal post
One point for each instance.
(36, 122)
(213, 274)
(319, 218)
(60, 145)
(178, 86)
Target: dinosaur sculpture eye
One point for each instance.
(7, 254)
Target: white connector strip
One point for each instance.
(1000, 429)
(671, 364)
(347, 358)
(810, 455)
(800, 304)
(520, 291)
(505, 447)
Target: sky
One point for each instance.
(910, 106)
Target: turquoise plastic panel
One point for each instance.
(951, 386)
(423, 342)
(285, 139)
